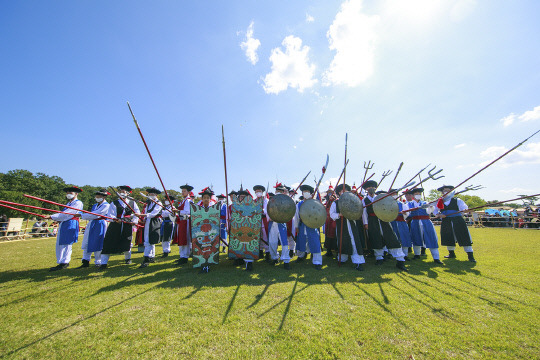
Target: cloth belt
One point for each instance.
(421, 217)
(373, 215)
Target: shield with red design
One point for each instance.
(246, 215)
(205, 234)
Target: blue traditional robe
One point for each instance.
(402, 229)
(422, 229)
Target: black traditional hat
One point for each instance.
(153, 191)
(125, 187)
(187, 187)
(271, 195)
(102, 192)
(172, 198)
(307, 188)
(206, 191)
(339, 188)
(221, 196)
(445, 187)
(233, 193)
(369, 183)
(393, 191)
(242, 191)
(415, 190)
(380, 192)
(301, 198)
(72, 189)
(259, 187)
(280, 187)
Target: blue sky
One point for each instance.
(452, 83)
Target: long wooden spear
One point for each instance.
(72, 208)
(148, 151)
(492, 204)
(23, 211)
(226, 180)
(346, 161)
(491, 163)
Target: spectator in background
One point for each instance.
(3, 224)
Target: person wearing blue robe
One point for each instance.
(308, 239)
(422, 229)
(277, 233)
(223, 218)
(95, 230)
(400, 226)
(68, 229)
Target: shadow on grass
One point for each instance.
(8, 354)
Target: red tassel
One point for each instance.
(440, 204)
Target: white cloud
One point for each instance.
(529, 155)
(508, 120)
(459, 146)
(352, 35)
(290, 67)
(529, 115)
(250, 45)
(309, 18)
(533, 114)
(461, 9)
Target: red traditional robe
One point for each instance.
(182, 235)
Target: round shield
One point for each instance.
(387, 209)
(281, 208)
(312, 213)
(350, 206)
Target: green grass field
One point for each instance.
(460, 310)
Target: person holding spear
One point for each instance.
(151, 226)
(453, 226)
(183, 229)
(351, 242)
(95, 230)
(422, 229)
(68, 230)
(120, 231)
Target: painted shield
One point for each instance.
(281, 208)
(387, 209)
(205, 234)
(312, 213)
(350, 206)
(245, 233)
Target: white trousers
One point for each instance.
(88, 255)
(184, 250)
(405, 250)
(396, 253)
(63, 253)
(467, 249)
(355, 258)
(434, 251)
(166, 246)
(105, 257)
(273, 241)
(292, 243)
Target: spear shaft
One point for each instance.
(148, 151)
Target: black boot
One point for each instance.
(261, 254)
(451, 254)
(300, 259)
(359, 267)
(56, 268)
(329, 253)
(151, 260)
(267, 257)
(145, 262)
(249, 266)
(165, 254)
(291, 253)
(423, 251)
(127, 261)
(182, 261)
(102, 267)
(416, 257)
(379, 262)
(437, 261)
(85, 264)
(286, 266)
(318, 267)
(401, 266)
(406, 258)
(471, 257)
